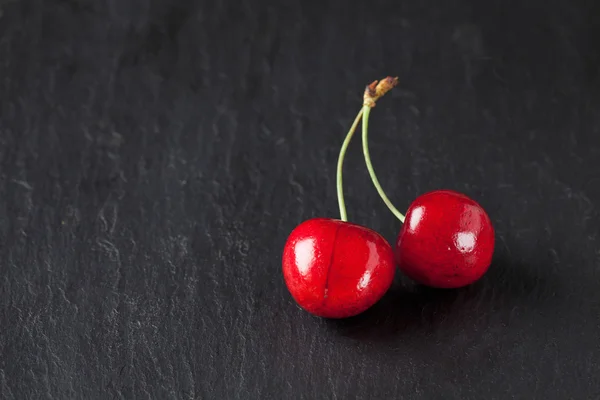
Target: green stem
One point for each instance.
(365, 143)
(340, 164)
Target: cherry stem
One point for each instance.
(373, 92)
(365, 144)
(340, 164)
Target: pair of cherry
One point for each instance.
(337, 269)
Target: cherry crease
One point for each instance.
(337, 269)
(446, 241)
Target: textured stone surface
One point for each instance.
(154, 156)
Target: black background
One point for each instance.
(154, 156)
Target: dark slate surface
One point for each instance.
(154, 155)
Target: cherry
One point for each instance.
(334, 268)
(337, 269)
(447, 239)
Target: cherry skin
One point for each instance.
(446, 241)
(336, 269)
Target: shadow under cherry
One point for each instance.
(409, 308)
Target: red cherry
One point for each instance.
(336, 269)
(446, 241)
